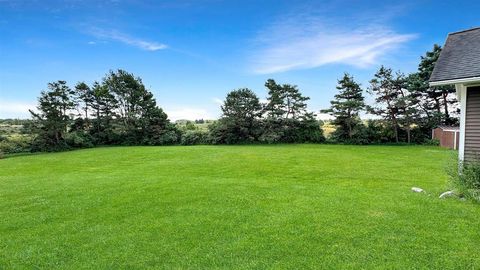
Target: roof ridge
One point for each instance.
(463, 31)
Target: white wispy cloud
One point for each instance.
(308, 42)
(15, 109)
(127, 39)
(217, 101)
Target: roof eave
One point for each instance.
(456, 81)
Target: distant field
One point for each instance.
(245, 207)
(328, 129)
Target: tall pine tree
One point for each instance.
(53, 116)
(346, 106)
(285, 101)
(84, 97)
(440, 98)
(386, 88)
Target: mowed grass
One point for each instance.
(243, 207)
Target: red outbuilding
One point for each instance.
(449, 137)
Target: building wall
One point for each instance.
(447, 139)
(472, 124)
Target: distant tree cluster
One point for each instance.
(282, 119)
(118, 110)
(407, 106)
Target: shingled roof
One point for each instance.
(460, 57)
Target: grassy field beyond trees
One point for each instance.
(279, 206)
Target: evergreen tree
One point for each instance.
(53, 117)
(287, 117)
(386, 89)
(407, 102)
(84, 96)
(440, 98)
(104, 106)
(346, 106)
(284, 101)
(134, 110)
(239, 123)
(243, 105)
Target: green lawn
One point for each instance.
(290, 206)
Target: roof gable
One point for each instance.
(460, 57)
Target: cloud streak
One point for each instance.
(308, 43)
(126, 39)
(217, 101)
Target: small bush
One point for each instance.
(466, 179)
(15, 144)
(168, 136)
(433, 142)
(193, 137)
(270, 137)
(78, 139)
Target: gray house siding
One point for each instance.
(459, 65)
(472, 124)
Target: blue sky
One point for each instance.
(191, 53)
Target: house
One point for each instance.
(447, 136)
(459, 65)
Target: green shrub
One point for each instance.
(270, 137)
(79, 139)
(166, 136)
(193, 137)
(434, 142)
(466, 179)
(15, 144)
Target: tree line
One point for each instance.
(119, 110)
(406, 106)
(284, 118)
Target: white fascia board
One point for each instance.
(456, 81)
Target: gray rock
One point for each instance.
(417, 189)
(447, 194)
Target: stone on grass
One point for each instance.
(447, 194)
(417, 189)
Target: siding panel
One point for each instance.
(472, 124)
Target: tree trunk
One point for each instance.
(408, 134)
(437, 105)
(349, 130)
(349, 124)
(445, 105)
(57, 137)
(395, 128)
(396, 134)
